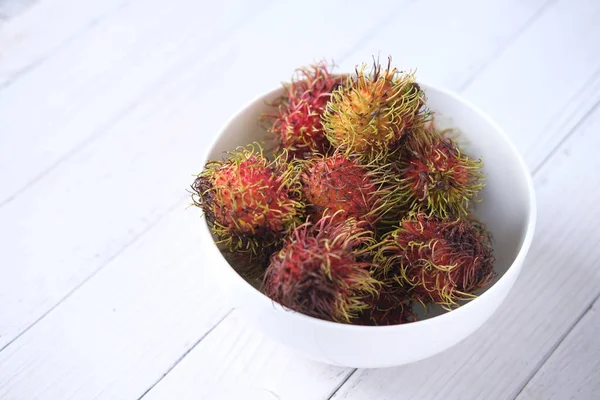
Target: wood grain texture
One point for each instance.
(452, 41)
(42, 29)
(570, 118)
(573, 370)
(120, 335)
(180, 376)
(522, 63)
(99, 200)
(559, 281)
(111, 190)
(235, 362)
(546, 80)
(116, 134)
(99, 77)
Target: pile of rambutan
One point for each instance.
(363, 212)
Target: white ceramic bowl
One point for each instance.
(508, 210)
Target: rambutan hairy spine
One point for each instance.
(297, 124)
(440, 261)
(345, 186)
(249, 202)
(435, 177)
(323, 270)
(370, 115)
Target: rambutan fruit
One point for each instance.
(371, 114)
(323, 270)
(249, 202)
(436, 178)
(390, 307)
(297, 124)
(440, 261)
(342, 186)
(252, 266)
(299, 131)
(314, 84)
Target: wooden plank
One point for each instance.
(558, 283)
(466, 57)
(476, 76)
(92, 206)
(524, 89)
(100, 169)
(183, 380)
(277, 32)
(28, 39)
(234, 362)
(113, 67)
(401, 380)
(573, 370)
(135, 318)
(143, 121)
(168, 119)
(89, 85)
(113, 190)
(450, 41)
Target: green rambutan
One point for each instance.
(249, 202)
(323, 270)
(440, 261)
(435, 177)
(369, 116)
(342, 186)
(297, 124)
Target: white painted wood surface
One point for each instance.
(559, 282)
(573, 370)
(105, 107)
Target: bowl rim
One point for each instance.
(522, 253)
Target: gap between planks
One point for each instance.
(343, 382)
(556, 346)
(50, 51)
(511, 40)
(346, 55)
(196, 343)
(89, 141)
(586, 129)
(132, 241)
(161, 80)
(570, 133)
(575, 364)
(543, 162)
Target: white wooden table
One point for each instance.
(105, 109)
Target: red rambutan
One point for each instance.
(342, 186)
(440, 261)
(249, 201)
(322, 271)
(314, 84)
(297, 125)
(435, 177)
(390, 307)
(299, 131)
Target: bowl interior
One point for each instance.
(506, 206)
